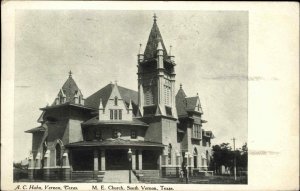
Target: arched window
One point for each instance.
(170, 154)
(195, 154)
(58, 154)
(116, 100)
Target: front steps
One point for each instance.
(119, 176)
(148, 176)
(87, 176)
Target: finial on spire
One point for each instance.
(197, 94)
(154, 17)
(70, 73)
(140, 49)
(180, 85)
(170, 52)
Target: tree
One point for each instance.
(224, 155)
(242, 159)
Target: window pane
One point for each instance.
(116, 114)
(116, 100)
(120, 114)
(58, 154)
(111, 114)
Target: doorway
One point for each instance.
(116, 159)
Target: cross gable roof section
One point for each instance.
(185, 104)
(105, 93)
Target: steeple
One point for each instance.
(153, 40)
(156, 77)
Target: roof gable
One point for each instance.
(104, 94)
(93, 100)
(185, 104)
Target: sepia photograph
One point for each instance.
(131, 96)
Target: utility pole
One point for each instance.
(234, 160)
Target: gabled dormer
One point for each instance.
(115, 107)
(69, 93)
(193, 104)
(186, 105)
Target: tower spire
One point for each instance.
(153, 40)
(70, 74)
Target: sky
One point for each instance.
(210, 48)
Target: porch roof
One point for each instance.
(36, 129)
(96, 121)
(115, 142)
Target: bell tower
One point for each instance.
(156, 77)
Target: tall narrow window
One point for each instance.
(58, 155)
(115, 114)
(167, 92)
(196, 131)
(148, 96)
(120, 114)
(111, 114)
(195, 154)
(61, 99)
(170, 154)
(116, 100)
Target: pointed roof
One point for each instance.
(153, 41)
(181, 102)
(70, 89)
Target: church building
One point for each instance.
(152, 131)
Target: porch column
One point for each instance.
(30, 166)
(166, 158)
(159, 161)
(96, 168)
(66, 166)
(140, 159)
(102, 160)
(133, 167)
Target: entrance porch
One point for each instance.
(101, 159)
(110, 155)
